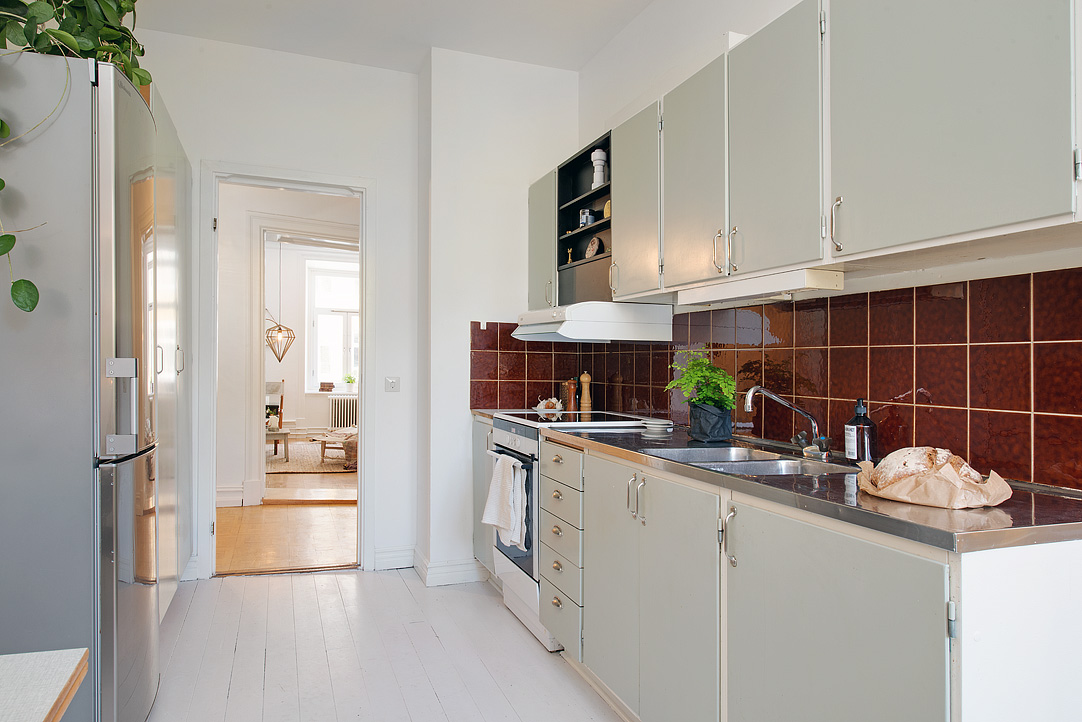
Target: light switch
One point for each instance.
(392, 383)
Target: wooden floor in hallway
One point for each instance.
(352, 645)
(284, 537)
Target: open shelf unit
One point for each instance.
(581, 278)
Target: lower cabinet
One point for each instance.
(482, 477)
(650, 592)
(828, 627)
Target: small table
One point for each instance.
(328, 442)
(277, 436)
(40, 685)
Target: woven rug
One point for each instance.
(304, 459)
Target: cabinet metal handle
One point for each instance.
(719, 234)
(557, 531)
(557, 459)
(629, 483)
(557, 566)
(557, 603)
(638, 505)
(548, 292)
(725, 536)
(729, 251)
(178, 359)
(557, 495)
(613, 286)
(833, 212)
(159, 359)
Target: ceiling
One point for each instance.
(396, 34)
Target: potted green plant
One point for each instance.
(351, 383)
(710, 391)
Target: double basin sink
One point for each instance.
(743, 461)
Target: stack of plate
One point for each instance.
(657, 427)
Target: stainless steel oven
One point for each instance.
(524, 560)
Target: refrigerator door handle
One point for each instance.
(125, 368)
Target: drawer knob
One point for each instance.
(557, 459)
(557, 531)
(557, 495)
(557, 566)
(557, 603)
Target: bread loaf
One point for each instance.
(911, 461)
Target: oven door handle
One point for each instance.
(526, 461)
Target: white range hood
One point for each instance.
(597, 322)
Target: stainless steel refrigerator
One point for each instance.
(78, 511)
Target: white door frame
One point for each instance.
(204, 259)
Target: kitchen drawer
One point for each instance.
(561, 572)
(563, 618)
(562, 500)
(561, 537)
(562, 464)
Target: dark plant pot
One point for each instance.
(711, 423)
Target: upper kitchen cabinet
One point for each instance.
(541, 285)
(774, 141)
(961, 124)
(636, 241)
(695, 193)
(583, 233)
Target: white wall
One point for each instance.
(495, 127)
(663, 46)
(247, 106)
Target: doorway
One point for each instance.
(290, 338)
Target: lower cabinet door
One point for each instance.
(825, 627)
(679, 572)
(562, 617)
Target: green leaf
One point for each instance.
(5, 129)
(85, 44)
(93, 11)
(25, 294)
(30, 31)
(14, 34)
(69, 25)
(40, 11)
(65, 38)
(7, 242)
(3, 184)
(140, 76)
(41, 43)
(109, 9)
(110, 34)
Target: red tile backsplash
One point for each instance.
(960, 365)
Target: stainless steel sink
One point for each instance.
(711, 455)
(776, 467)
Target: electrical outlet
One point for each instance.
(392, 383)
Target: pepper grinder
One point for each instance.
(572, 395)
(586, 404)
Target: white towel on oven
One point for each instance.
(505, 508)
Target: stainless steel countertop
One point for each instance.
(1031, 516)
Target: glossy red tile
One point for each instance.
(999, 309)
(894, 427)
(512, 394)
(810, 322)
(660, 371)
(810, 372)
(849, 320)
(641, 400)
(678, 407)
(659, 401)
(627, 367)
(680, 330)
(1056, 459)
(484, 339)
(840, 411)
(643, 372)
(778, 325)
(941, 375)
(539, 346)
(483, 395)
(484, 365)
(941, 313)
(890, 374)
(943, 429)
(539, 366)
(778, 370)
(890, 317)
(749, 369)
(724, 359)
(723, 328)
(818, 408)
(1001, 441)
(777, 421)
(749, 327)
(537, 391)
(749, 424)
(700, 329)
(1057, 377)
(849, 373)
(1057, 296)
(999, 377)
(512, 366)
(507, 342)
(565, 366)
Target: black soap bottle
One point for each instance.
(860, 436)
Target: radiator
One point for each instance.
(343, 411)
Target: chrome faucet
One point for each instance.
(821, 448)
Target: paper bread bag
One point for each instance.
(932, 477)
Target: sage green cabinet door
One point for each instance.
(695, 193)
(947, 118)
(679, 598)
(482, 476)
(541, 284)
(774, 141)
(610, 578)
(636, 205)
(826, 627)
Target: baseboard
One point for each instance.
(229, 496)
(394, 558)
(602, 689)
(191, 569)
(439, 574)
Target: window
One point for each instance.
(334, 341)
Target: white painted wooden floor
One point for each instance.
(352, 645)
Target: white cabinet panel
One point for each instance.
(636, 205)
(947, 118)
(482, 477)
(541, 284)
